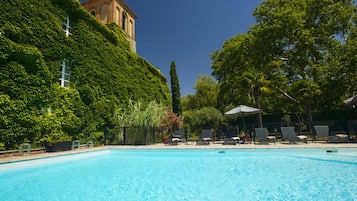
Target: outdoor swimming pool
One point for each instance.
(178, 174)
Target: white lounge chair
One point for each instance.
(179, 136)
(289, 133)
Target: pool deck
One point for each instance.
(217, 145)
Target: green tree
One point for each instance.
(206, 91)
(347, 68)
(188, 102)
(257, 84)
(208, 117)
(205, 94)
(200, 108)
(244, 73)
(293, 41)
(306, 93)
(307, 33)
(175, 90)
(228, 64)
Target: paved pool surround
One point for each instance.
(216, 145)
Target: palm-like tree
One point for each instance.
(256, 84)
(306, 93)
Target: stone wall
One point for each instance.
(117, 11)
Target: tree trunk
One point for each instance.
(309, 119)
(257, 105)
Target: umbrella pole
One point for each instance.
(243, 123)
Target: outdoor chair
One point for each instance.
(179, 136)
(289, 133)
(324, 131)
(231, 137)
(206, 137)
(262, 136)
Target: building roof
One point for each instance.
(128, 9)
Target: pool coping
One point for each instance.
(28, 157)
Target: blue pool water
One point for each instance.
(179, 175)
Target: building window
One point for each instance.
(104, 13)
(65, 73)
(118, 16)
(123, 23)
(66, 27)
(92, 12)
(131, 29)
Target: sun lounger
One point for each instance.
(324, 131)
(206, 137)
(179, 136)
(262, 136)
(289, 133)
(231, 137)
(200, 141)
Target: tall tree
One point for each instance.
(243, 72)
(200, 109)
(349, 64)
(205, 94)
(257, 84)
(308, 33)
(175, 90)
(296, 46)
(206, 89)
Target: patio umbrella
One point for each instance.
(351, 101)
(241, 110)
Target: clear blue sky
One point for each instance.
(188, 32)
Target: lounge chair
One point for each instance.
(231, 137)
(262, 136)
(179, 136)
(289, 133)
(206, 137)
(324, 131)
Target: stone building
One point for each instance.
(117, 11)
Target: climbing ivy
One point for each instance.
(105, 73)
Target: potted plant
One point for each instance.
(165, 138)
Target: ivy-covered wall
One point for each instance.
(105, 74)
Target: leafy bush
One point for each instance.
(53, 138)
(2, 146)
